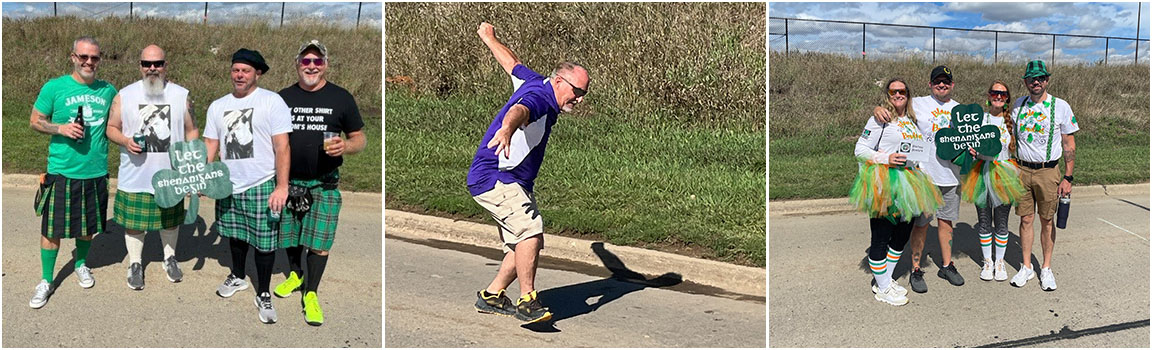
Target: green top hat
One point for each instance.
(1036, 68)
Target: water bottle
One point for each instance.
(1062, 211)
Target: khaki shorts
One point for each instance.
(1040, 187)
(515, 212)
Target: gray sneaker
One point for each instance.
(916, 280)
(264, 304)
(136, 276)
(84, 276)
(43, 290)
(173, 270)
(230, 286)
(949, 273)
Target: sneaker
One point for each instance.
(84, 276)
(173, 270)
(264, 304)
(1023, 276)
(230, 286)
(949, 273)
(916, 280)
(135, 276)
(495, 304)
(1001, 274)
(43, 290)
(899, 290)
(1047, 279)
(987, 272)
(891, 296)
(292, 284)
(312, 313)
(529, 310)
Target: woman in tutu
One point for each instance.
(993, 184)
(891, 189)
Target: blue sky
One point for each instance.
(340, 13)
(1104, 19)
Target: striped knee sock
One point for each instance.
(880, 273)
(986, 245)
(1001, 246)
(893, 258)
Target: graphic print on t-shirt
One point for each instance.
(238, 139)
(940, 119)
(156, 125)
(1033, 126)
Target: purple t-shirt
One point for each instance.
(527, 143)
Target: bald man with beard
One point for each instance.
(161, 112)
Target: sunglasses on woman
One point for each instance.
(893, 92)
(998, 94)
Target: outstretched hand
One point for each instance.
(502, 141)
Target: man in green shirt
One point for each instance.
(73, 196)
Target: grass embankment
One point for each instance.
(820, 102)
(667, 151)
(36, 50)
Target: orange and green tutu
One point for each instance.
(992, 184)
(894, 192)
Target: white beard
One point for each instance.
(154, 86)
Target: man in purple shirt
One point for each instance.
(501, 180)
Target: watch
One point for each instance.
(1068, 177)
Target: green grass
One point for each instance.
(811, 141)
(36, 50)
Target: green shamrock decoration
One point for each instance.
(967, 132)
(191, 174)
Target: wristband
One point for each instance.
(1068, 177)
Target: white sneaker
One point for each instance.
(891, 296)
(1001, 274)
(986, 273)
(43, 290)
(899, 290)
(84, 277)
(1023, 276)
(1047, 280)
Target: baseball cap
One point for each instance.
(1036, 68)
(940, 70)
(313, 43)
(251, 58)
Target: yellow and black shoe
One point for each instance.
(494, 303)
(529, 309)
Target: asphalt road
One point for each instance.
(432, 286)
(819, 293)
(189, 313)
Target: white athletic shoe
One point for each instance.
(891, 296)
(986, 273)
(1023, 276)
(43, 290)
(899, 290)
(1047, 279)
(1001, 274)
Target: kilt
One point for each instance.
(245, 216)
(138, 211)
(317, 229)
(73, 208)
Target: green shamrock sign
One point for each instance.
(191, 174)
(967, 131)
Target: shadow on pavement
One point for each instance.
(582, 298)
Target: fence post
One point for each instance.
(129, 12)
(358, 7)
(785, 37)
(1139, 12)
(1053, 50)
(53, 9)
(205, 21)
(1106, 50)
(996, 49)
(933, 45)
(864, 42)
(282, 15)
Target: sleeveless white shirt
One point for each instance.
(161, 120)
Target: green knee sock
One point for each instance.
(82, 252)
(47, 263)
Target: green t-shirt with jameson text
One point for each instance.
(59, 99)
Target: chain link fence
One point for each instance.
(339, 14)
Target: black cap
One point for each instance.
(940, 70)
(251, 58)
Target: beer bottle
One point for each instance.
(80, 120)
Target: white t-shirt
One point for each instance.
(1034, 128)
(887, 139)
(1005, 136)
(931, 116)
(244, 128)
(161, 120)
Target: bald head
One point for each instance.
(152, 53)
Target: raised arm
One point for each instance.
(503, 54)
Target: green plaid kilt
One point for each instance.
(245, 216)
(73, 208)
(317, 229)
(138, 211)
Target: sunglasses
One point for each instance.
(942, 81)
(85, 58)
(578, 91)
(894, 92)
(1036, 79)
(150, 64)
(997, 93)
(319, 62)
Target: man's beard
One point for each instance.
(310, 81)
(83, 74)
(154, 85)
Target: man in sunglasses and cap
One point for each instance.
(146, 118)
(321, 111)
(73, 196)
(505, 167)
(932, 114)
(258, 163)
(1045, 132)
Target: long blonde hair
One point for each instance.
(907, 105)
(1007, 114)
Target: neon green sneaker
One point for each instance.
(289, 285)
(312, 313)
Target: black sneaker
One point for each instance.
(916, 281)
(498, 303)
(949, 273)
(529, 309)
